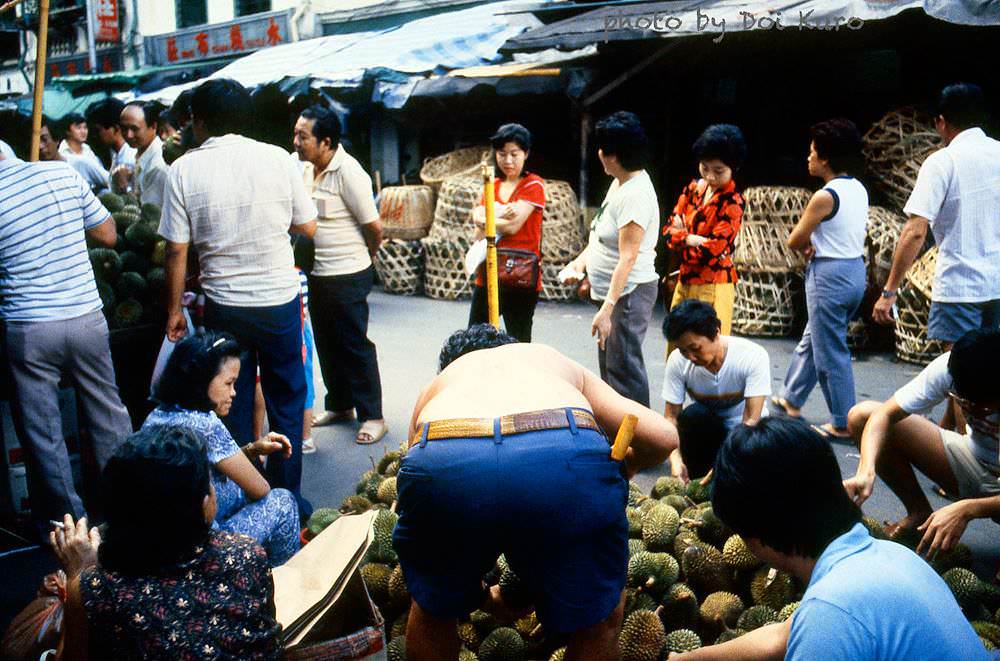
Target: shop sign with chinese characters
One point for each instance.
(205, 42)
(107, 29)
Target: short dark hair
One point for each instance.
(779, 482)
(181, 107)
(511, 133)
(63, 125)
(327, 124)
(724, 142)
(692, 315)
(196, 360)
(106, 113)
(962, 105)
(973, 365)
(153, 489)
(473, 338)
(621, 134)
(838, 141)
(701, 434)
(167, 117)
(223, 105)
(151, 110)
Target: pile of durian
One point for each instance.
(691, 580)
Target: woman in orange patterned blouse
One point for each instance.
(705, 223)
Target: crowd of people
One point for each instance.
(264, 230)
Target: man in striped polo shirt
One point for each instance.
(53, 324)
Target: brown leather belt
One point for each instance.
(517, 423)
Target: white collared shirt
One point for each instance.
(66, 150)
(958, 191)
(343, 197)
(235, 199)
(150, 179)
(124, 156)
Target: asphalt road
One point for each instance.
(409, 332)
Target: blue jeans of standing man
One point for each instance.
(834, 289)
(273, 336)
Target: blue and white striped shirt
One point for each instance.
(45, 271)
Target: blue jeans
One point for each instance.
(834, 289)
(950, 321)
(271, 336)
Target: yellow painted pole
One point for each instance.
(492, 290)
(40, 51)
(624, 438)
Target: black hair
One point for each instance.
(701, 434)
(153, 490)
(181, 107)
(838, 141)
(692, 315)
(167, 117)
(779, 482)
(973, 365)
(63, 125)
(724, 142)
(151, 111)
(962, 105)
(74, 118)
(196, 360)
(473, 338)
(223, 105)
(326, 125)
(511, 133)
(621, 134)
(106, 113)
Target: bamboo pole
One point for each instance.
(624, 438)
(492, 291)
(41, 48)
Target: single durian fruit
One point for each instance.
(643, 637)
(719, 611)
(376, 577)
(668, 486)
(738, 555)
(680, 607)
(659, 527)
(653, 572)
(773, 588)
(682, 640)
(756, 616)
(788, 611)
(503, 644)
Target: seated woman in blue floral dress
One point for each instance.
(195, 390)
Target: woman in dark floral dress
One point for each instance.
(165, 585)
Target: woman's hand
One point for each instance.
(601, 325)
(270, 444)
(75, 546)
(943, 529)
(479, 215)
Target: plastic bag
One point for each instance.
(166, 349)
(39, 626)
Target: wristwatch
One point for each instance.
(888, 293)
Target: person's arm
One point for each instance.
(74, 643)
(105, 233)
(757, 386)
(356, 191)
(820, 206)
(237, 467)
(873, 439)
(677, 467)
(372, 232)
(767, 642)
(676, 229)
(98, 224)
(944, 527)
(722, 233)
(304, 213)
(176, 268)
(911, 241)
(629, 240)
(752, 408)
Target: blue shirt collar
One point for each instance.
(853, 541)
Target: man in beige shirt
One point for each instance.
(348, 233)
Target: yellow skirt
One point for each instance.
(719, 295)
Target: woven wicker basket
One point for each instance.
(400, 266)
(921, 274)
(552, 289)
(456, 163)
(913, 305)
(899, 137)
(765, 303)
(457, 198)
(884, 228)
(406, 211)
(444, 269)
(563, 237)
(770, 214)
(897, 183)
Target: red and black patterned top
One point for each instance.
(217, 605)
(717, 219)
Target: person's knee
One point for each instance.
(858, 416)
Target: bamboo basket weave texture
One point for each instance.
(897, 183)
(406, 211)
(913, 305)
(455, 163)
(444, 269)
(400, 266)
(457, 198)
(884, 228)
(552, 289)
(563, 237)
(769, 216)
(765, 303)
(889, 146)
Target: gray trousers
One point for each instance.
(40, 353)
(621, 362)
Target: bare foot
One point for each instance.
(783, 406)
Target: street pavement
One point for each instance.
(409, 332)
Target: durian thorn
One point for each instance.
(692, 522)
(372, 459)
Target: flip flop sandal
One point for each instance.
(332, 417)
(371, 432)
(782, 406)
(308, 446)
(827, 432)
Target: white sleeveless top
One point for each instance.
(841, 235)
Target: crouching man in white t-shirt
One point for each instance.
(727, 377)
(893, 442)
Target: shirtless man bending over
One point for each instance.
(510, 454)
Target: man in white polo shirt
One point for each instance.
(957, 195)
(236, 200)
(139, 123)
(54, 326)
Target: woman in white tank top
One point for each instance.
(832, 233)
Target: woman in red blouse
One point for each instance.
(520, 203)
(705, 223)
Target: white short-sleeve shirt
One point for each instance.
(958, 191)
(745, 372)
(931, 387)
(344, 199)
(151, 174)
(235, 199)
